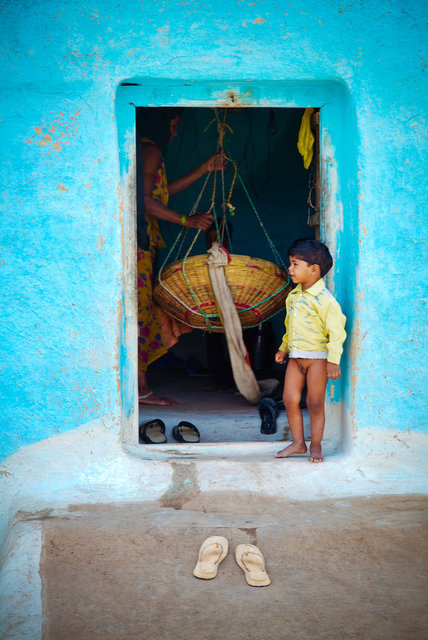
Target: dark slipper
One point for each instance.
(186, 432)
(268, 410)
(152, 432)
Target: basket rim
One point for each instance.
(202, 319)
(233, 262)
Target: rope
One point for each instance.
(227, 206)
(221, 128)
(274, 250)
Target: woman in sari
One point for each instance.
(156, 127)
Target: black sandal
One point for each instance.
(152, 432)
(268, 410)
(186, 432)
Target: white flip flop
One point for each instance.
(250, 559)
(212, 551)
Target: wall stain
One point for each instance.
(29, 516)
(252, 534)
(233, 97)
(183, 487)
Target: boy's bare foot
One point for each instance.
(153, 398)
(294, 447)
(316, 455)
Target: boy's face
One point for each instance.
(301, 272)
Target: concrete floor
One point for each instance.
(99, 539)
(349, 568)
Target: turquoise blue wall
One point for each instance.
(64, 235)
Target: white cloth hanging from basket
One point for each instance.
(242, 372)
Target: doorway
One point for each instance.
(336, 202)
(275, 200)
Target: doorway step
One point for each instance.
(229, 426)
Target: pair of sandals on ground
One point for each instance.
(153, 432)
(249, 557)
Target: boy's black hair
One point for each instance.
(313, 252)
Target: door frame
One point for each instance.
(338, 207)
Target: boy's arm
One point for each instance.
(335, 326)
(284, 344)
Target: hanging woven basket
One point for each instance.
(258, 288)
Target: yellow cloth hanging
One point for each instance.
(305, 142)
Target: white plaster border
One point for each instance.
(21, 615)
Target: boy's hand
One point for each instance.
(280, 357)
(333, 371)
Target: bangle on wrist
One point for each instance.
(201, 169)
(183, 220)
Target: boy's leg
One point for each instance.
(293, 387)
(316, 381)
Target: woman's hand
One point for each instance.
(214, 163)
(199, 221)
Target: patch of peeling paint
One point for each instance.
(58, 133)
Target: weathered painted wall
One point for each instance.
(62, 258)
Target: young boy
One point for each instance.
(313, 340)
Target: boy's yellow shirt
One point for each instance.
(314, 322)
